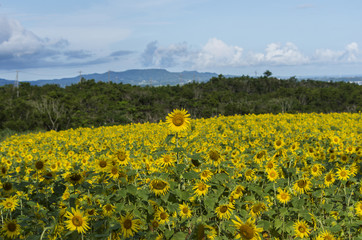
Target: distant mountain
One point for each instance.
(153, 77)
(158, 77)
(5, 82)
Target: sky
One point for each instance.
(55, 39)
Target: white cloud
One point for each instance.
(15, 40)
(217, 53)
(350, 54)
(289, 54)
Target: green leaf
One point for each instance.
(179, 236)
(210, 203)
(222, 177)
(278, 223)
(328, 207)
(336, 228)
(183, 195)
(132, 189)
(178, 149)
(168, 138)
(191, 175)
(283, 211)
(143, 194)
(265, 224)
(168, 234)
(122, 193)
(180, 168)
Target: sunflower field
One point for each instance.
(285, 176)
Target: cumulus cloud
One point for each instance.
(288, 54)
(216, 53)
(351, 53)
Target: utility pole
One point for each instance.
(109, 76)
(17, 83)
(80, 76)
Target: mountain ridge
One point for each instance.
(154, 77)
(159, 77)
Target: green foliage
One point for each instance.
(91, 103)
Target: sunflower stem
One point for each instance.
(177, 147)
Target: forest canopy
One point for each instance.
(90, 103)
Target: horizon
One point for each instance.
(316, 77)
(53, 40)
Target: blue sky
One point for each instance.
(55, 39)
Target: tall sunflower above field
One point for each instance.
(178, 120)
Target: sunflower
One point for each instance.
(39, 165)
(246, 230)
(215, 157)
(11, 229)
(48, 177)
(283, 196)
(185, 211)
(3, 170)
(77, 221)
(302, 186)
(249, 175)
(238, 191)
(335, 140)
(343, 174)
(8, 187)
(260, 156)
(210, 232)
(122, 157)
(159, 186)
(129, 225)
(178, 120)
(201, 188)
(294, 146)
(75, 178)
(325, 235)
(224, 211)
(329, 179)
(272, 175)
(316, 170)
(108, 209)
(257, 209)
(206, 175)
(10, 203)
(278, 144)
(113, 171)
(270, 164)
(91, 212)
(154, 225)
(358, 208)
(301, 229)
(102, 165)
(167, 160)
(161, 215)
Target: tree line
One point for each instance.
(90, 103)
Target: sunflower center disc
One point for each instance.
(302, 183)
(247, 232)
(11, 227)
(178, 120)
(223, 209)
(103, 164)
(77, 221)
(127, 224)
